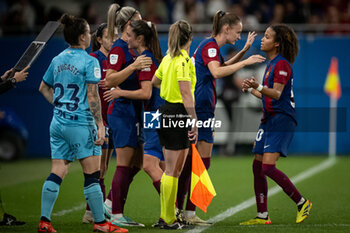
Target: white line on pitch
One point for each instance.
(63, 212)
(276, 189)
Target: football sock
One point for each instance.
(301, 203)
(168, 190)
(49, 195)
(103, 187)
(184, 182)
(189, 213)
(262, 215)
(260, 187)
(283, 181)
(156, 185)
(120, 187)
(108, 203)
(94, 196)
(206, 162)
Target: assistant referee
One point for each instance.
(176, 77)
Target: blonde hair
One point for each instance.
(118, 17)
(179, 34)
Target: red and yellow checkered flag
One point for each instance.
(202, 190)
(332, 85)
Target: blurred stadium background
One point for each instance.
(323, 29)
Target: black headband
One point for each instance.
(132, 15)
(99, 31)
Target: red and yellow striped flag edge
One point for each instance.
(202, 190)
(332, 84)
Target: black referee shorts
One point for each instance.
(173, 134)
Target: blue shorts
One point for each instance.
(205, 134)
(275, 135)
(126, 125)
(152, 144)
(70, 142)
(108, 135)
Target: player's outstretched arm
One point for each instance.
(219, 71)
(46, 91)
(95, 108)
(240, 54)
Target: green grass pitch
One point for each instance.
(329, 191)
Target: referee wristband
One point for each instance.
(259, 88)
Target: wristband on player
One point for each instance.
(259, 88)
(250, 89)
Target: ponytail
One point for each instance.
(179, 34)
(111, 22)
(118, 17)
(221, 19)
(154, 45)
(95, 45)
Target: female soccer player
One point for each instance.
(100, 46)
(278, 122)
(143, 37)
(177, 78)
(124, 114)
(70, 84)
(210, 66)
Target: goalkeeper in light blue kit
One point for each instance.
(70, 84)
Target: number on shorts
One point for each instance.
(259, 135)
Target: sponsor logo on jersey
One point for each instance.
(212, 52)
(284, 73)
(97, 72)
(113, 59)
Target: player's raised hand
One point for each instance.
(142, 62)
(22, 75)
(250, 40)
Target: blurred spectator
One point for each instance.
(89, 13)
(19, 19)
(278, 14)
(154, 11)
(213, 6)
(54, 14)
(249, 21)
(27, 16)
(190, 10)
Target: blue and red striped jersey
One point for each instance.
(279, 70)
(205, 91)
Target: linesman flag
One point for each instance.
(332, 85)
(202, 190)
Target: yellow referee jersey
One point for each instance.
(173, 70)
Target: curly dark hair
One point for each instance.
(288, 41)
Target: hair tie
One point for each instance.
(149, 23)
(222, 13)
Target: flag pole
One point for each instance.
(332, 146)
